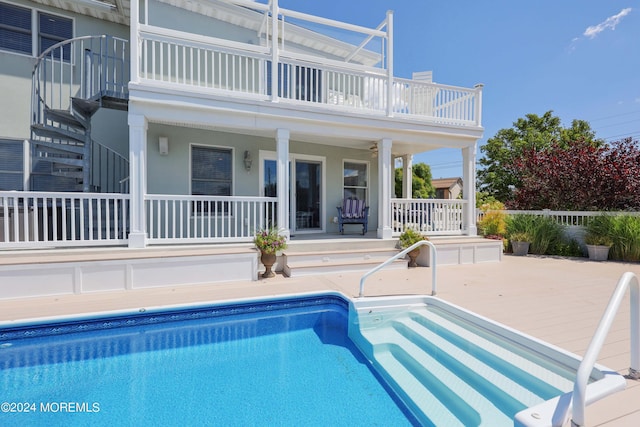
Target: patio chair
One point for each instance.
(353, 211)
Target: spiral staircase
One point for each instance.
(71, 81)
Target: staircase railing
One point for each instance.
(109, 169)
(84, 67)
(433, 259)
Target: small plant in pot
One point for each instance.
(598, 239)
(269, 241)
(408, 238)
(520, 242)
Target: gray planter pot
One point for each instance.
(598, 252)
(520, 248)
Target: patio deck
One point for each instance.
(557, 300)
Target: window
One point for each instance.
(355, 180)
(11, 163)
(16, 30)
(53, 29)
(211, 175)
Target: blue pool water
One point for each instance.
(286, 362)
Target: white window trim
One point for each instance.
(35, 28)
(368, 187)
(233, 170)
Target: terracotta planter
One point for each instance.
(268, 260)
(598, 252)
(412, 257)
(520, 248)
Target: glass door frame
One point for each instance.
(293, 157)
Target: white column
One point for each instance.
(469, 190)
(282, 148)
(137, 179)
(407, 176)
(385, 170)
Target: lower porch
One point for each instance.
(26, 273)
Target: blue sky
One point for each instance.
(579, 58)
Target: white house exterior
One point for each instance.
(175, 121)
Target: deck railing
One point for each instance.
(39, 219)
(188, 61)
(430, 216)
(201, 219)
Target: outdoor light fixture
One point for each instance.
(247, 160)
(163, 145)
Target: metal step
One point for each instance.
(64, 161)
(65, 117)
(53, 132)
(85, 107)
(53, 147)
(68, 174)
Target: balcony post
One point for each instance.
(385, 179)
(275, 54)
(469, 190)
(137, 179)
(478, 89)
(134, 37)
(282, 185)
(390, 86)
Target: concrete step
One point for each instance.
(318, 262)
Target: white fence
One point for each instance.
(431, 216)
(566, 218)
(39, 219)
(201, 219)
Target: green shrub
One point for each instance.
(625, 235)
(599, 230)
(547, 233)
(493, 223)
(569, 248)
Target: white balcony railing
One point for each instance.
(187, 61)
(30, 219)
(430, 216)
(201, 219)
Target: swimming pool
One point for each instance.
(281, 362)
(318, 359)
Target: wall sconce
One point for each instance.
(163, 145)
(247, 160)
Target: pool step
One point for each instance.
(450, 375)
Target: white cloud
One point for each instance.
(609, 23)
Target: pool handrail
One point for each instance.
(433, 257)
(628, 280)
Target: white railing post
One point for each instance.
(390, 84)
(134, 37)
(478, 103)
(275, 54)
(282, 171)
(469, 190)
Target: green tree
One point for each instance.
(497, 176)
(421, 186)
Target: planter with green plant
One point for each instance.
(520, 230)
(598, 237)
(520, 242)
(408, 238)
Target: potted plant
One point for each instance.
(269, 241)
(598, 238)
(408, 238)
(520, 242)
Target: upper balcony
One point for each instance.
(258, 51)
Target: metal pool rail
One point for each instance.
(433, 257)
(628, 280)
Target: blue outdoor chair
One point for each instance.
(353, 211)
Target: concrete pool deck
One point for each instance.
(557, 300)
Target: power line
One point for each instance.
(613, 116)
